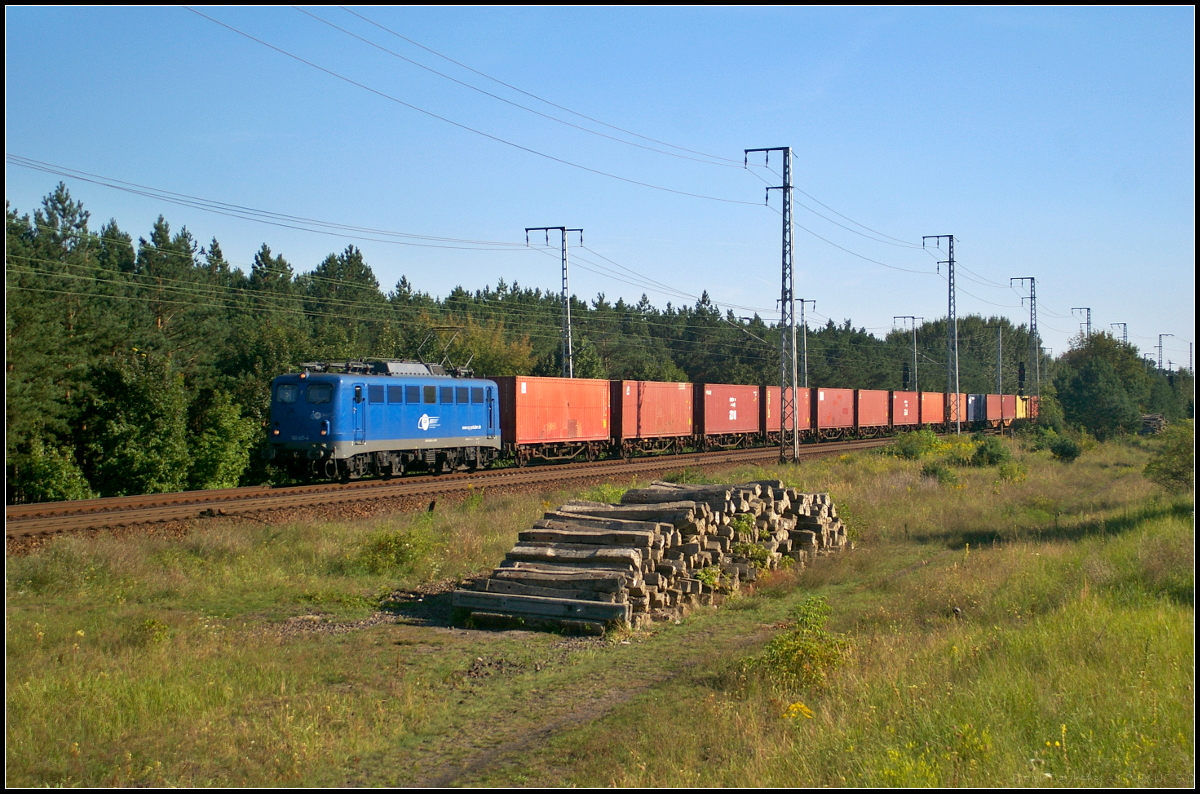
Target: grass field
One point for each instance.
(1025, 626)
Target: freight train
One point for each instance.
(384, 418)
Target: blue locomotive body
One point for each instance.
(381, 418)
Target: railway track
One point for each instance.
(90, 514)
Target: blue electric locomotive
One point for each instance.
(358, 419)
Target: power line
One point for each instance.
(727, 160)
(502, 99)
(466, 127)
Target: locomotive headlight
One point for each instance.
(323, 432)
(274, 432)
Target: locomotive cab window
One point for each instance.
(461, 394)
(430, 395)
(319, 393)
(447, 395)
(286, 393)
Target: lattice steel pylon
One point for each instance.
(955, 412)
(787, 314)
(1035, 344)
(568, 349)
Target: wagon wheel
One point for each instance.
(522, 458)
(590, 453)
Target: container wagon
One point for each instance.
(1008, 409)
(554, 418)
(772, 414)
(648, 416)
(933, 409)
(727, 416)
(906, 410)
(835, 413)
(872, 410)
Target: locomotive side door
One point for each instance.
(359, 408)
(491, 413)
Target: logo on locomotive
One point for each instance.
(427, 422)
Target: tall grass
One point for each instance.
(220, 658)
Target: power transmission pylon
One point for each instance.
(1124, 332)
(1089, 319)
(804, 333)
(1035, 344)
(787, 313)
(568, 353)
(951, 334)
(916, 384)
(1160, 338)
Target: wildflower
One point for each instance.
(798, 710)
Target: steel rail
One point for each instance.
(89, 514)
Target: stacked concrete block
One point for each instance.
(662, 551)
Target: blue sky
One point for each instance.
(1057, 143)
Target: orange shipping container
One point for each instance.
(1008, 406)
(553, 410)
(933, 407)
(725, 408)
(872, 408)
(649, 409)
(994, 407)
(772, 416)
(835, 408)
(905, 408)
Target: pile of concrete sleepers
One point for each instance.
(663, 550)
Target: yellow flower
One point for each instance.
(797, 710)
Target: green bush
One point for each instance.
(805, 655)
(940, 472)
(990, 452)
(757, 555)
(1173, 464)
(1065, 449)
(47, 474)
(1013, 471)
(914, 445)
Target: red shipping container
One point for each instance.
(933, 407)
(1008, 406)
(835, 408)
(772, 418)
(649, 409)
(553, 410)
(961, 415)
(725, 408)
(873, 408)
(905, 408)
(993, 408)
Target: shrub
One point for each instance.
(1173, 465)
(1065, 449)
(47, 474)
(990, 451)
(1013, 471)
(806, 654)
(710, 576)
(757, 555)
(914, 445)
(940, 472)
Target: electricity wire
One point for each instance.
(466, 127)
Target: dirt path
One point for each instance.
(573, 696)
